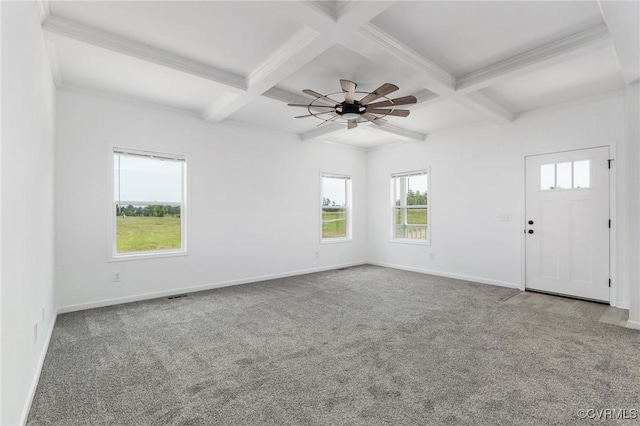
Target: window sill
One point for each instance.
(409, 241)
(147, 255)
(335, 240)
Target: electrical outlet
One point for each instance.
(432, 256)
(116, 277)
(35, 332)
(317, 254)
(42, 314)
(505, 217)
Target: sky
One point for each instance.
(144, 179)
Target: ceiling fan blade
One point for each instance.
(352, 124)
(349, 89)
(372, 118)
(406, 100)
(332, 119)
(320, 96)
(396, 112)
(383, 90)
(313, 115)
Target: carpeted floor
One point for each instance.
(365, 345)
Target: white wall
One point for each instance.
(28, 101)
(632, 259)
(253, 197)
(477, 174)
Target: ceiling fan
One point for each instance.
(327, 109)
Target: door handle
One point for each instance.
(530, 231)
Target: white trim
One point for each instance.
(448, 275)
(396, 130)
(112, 255)
(434, 74)
(556, 51)
(321, 131)
(348, 208)
(36, 377)
(392, 235)
(70, 29)
(613, 240)
(635, 325)
(166, 293)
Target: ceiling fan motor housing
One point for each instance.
(350, 111)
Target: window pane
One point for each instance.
(581, 174)
(334, 207)
(334, 192)
(417, 216)
(148, 201)
(548, 176)
(563, 179)
(417, 190)
(334, 223)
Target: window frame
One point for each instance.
(393, 177)
(112, 254)
(348, 208)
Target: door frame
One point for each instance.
(613, 240)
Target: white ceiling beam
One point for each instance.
(298, 51)
(324, 130)
(623, 20)
(577, 44)
(483, 105)
(43, 9)
(432, 76)
(285, 96)
(84, 34)
(393, 129)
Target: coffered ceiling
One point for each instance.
(241, 62)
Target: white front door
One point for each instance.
(567, 223)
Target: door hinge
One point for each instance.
(609, 282)
(609, 162)
(609, 223)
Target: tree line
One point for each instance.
(149, 211)
(415, 198)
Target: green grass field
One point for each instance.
(414, 216)
(334, 224)
(140, 233)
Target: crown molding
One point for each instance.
(324, 8)
(70, 29)
(44, 10)
(54, 63)
(576, 44)
(322, 131)
(625, 35)
(392, 128)
(439, 79)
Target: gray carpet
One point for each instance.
(365, 345)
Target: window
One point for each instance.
(148, 204)
(336, 207)
(410, 206)
(566, 175)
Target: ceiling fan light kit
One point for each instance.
(327, 109)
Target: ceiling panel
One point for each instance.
(87, 66)
(439, 116)
(275, 115)
(234, 36)
(324, 72)
(463, 36)
(588, 75)
(363, 136)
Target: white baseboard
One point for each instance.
(172, 292)
(633, 324)
(36, 376)
(448, 275)
(622, 305)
